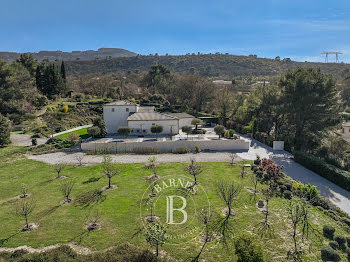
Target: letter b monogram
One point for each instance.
(170, 210)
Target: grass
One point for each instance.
(80, 132)
(120, 209)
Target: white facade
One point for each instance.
(169, 126)
(141, 119)
(116, 114)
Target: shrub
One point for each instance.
(197, 149)
(219, 130)
(124, 130)
(73, 138)
(330, 172)
(306, 190)
(328, 254)
(94, 131)
(34, 141)
(259, 174)
(187, 130)
(287, 194)
(181, 150)
(65, 109)
(100, 123)
(348, 241)
(146, 150)
(247, 250)
(347, 251)
(232, 132)
(227, 134)
(340, 240)
(156, 129)
(203, 131)
(328, 231)
(5, 129)
(334, 245)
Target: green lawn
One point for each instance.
(80, 132)
(120, 209)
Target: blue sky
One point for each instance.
(300, 29)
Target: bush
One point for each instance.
(156, 129)
(203, 131)
(334, 245)
(328, 254)
(181, 150)
(146, 150)
(330, 172)
(287, 194)
(219, 130)
(197, 149)
(34, 142)
(73, 138)
(5, 129)
(340, 240)
(348, 241)
(94, 131)
(328, 231)
(347, 251)
(247, 250)
(124, 130)
(100, 123)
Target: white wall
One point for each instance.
(118, 118)
(185, 122)
(146, 125)
(168, 146)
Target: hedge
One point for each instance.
(328, 171)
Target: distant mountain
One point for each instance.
(101, 53)
(220, 66)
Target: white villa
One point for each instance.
(141, 119)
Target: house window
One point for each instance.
(113, 109)
(144, 131)
(127, 109)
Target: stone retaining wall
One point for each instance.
(166, 146)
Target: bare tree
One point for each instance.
(152, 185)
(66, 189)
(109, 169)
(79, 159)
(93, 217)
(24, 191)
(153, 166)
(24, 208)
(205, 218)
(227, 191)
(268, 193)
(59, 168)
(255, 181)
(298, 214)
(233, 158)
(194, 169)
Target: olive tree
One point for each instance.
(124, 131)
(156, 129)
(187, 130)
(196, 122)
(219, 130)
(94, 131)
(156, 235)
(109, 169)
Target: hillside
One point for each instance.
(101, 53)
(210, 65)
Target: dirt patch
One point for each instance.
(225, 212)
(251, 190)
(151, 219)
(93, 226)
(66, 202)
(109, 188)
(31, 227)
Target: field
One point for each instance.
(120, 209)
